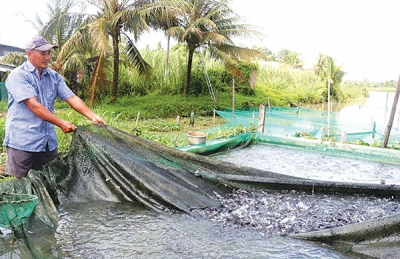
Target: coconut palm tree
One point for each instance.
(329, 73)
(333, 75)
(210, 24)
(166, 19)
(61, 25)
(13, 58)
(290, 58)
(116, 22)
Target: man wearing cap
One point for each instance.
(30, 138)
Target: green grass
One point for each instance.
(154, 116)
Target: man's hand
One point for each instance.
(98, 119)
(66, 126)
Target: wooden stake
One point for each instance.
(392, 113)
(137, 118)
(269, 105)
(214, 117)
(261, 118)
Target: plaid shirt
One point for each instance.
(24, 130)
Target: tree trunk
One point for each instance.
(167, 59)
(114, 90)
(189, 70)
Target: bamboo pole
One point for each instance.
(392, 113)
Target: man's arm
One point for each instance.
(42, 112)
(78, 105)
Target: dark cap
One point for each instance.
(39, 43)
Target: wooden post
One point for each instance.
(261, 118)
(191, 119)
(137, 118)
(214, 117)
(269, 105)
(392, 113)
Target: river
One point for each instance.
(376, 108)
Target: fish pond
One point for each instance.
(250, 224)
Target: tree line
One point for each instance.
(95, 47)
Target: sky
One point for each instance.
(363, 36)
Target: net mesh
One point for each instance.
(15, 209)
(290, 121)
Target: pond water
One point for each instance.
(122, 230)
(312, 165)
(126, 230)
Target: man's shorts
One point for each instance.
(18, 162)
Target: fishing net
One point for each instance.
(15, 209)
(294, 121)
(107, 164)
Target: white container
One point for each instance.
(197, 137)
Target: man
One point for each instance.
(30, 138)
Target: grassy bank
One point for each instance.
(152, 117)
(155, 116)
(164, 119)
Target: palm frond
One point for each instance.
(135, 58)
